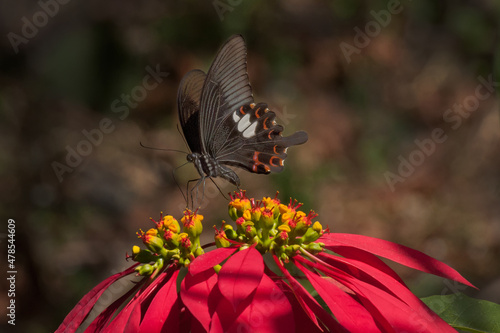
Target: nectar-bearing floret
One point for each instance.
(267, 224)
(170, 223)
(271, 226)
(238, 205)
(167, 244)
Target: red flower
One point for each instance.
(233, 289)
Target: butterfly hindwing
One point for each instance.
(255, 142)
(188, 103)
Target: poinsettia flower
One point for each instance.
(275, 270)
(361, 293)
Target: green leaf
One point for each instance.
(466, 313)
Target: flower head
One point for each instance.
(231, 288)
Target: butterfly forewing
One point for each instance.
(188, 102)
(226, 89)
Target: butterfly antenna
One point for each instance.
(153, 148)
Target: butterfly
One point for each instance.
(223, 126)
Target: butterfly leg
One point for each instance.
(179, 186)
(191, 192)
(220, 191)
(195, 187)
(203, 192)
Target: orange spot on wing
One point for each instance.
(280, 161)
(257, 113)
(255, 166)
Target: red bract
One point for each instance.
(241, 275)
(362, 293)
(241, 298)
(359, 284)
(148, 307)
(75, 318)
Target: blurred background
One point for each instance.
(400, 103)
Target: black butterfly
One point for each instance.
(222, 124)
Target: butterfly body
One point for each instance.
(209, 167)
(222, 124)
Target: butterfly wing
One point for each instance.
(188, 105)
(255, 142)
(219, 118)
(225, 90)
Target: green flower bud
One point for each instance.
(142, 255)
(314, 247)
(310, 236)
(145, 270)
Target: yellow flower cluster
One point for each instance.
(270, 225)
(166, 242)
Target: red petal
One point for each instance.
(188, 323)
(241, 275)
(309, 304)
(210, 259)
(164, 311)
(365, 257)
(105, 316)
(390, 312)
(352, 315)
(302, 322)
(268, 311)
(365, 272)
(195, 292)
(75, 318)
(398, 314)
(385, 282)
(128, 319)
(395, 252)
(134, 320)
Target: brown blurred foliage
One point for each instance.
(363, 100)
